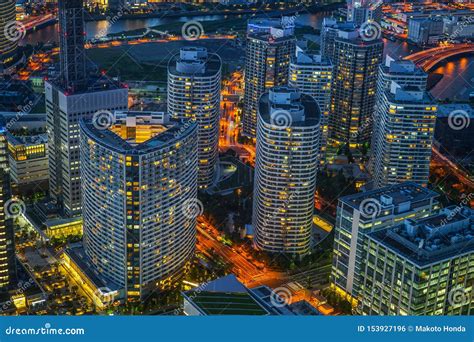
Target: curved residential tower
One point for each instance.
(288, 135)
(11, 32)
(138, 176)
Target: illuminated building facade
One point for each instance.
(356, 63)
(28, 161)
(10, 35)
(363, 11)
(63, 227)
(404, 73)
(287, 157)
(370, 211)
(7, 235)
(329, 31)
(312, 75)
(405, 131)
(73, 96)
(137, 177)
(194, 92)
(270, 45)
(421, 267)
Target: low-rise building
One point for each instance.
(425, 31)
(454, 131)
(81, 272)
(63, 227)
(228, 296)
(28, 162)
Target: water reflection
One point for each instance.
(455, 83)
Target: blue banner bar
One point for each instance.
(236, 328)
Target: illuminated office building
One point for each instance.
(329, 31)
(74, 95)
(194, 91)
(363, 11)
(421, 267)
(7, 234)
(138, 177)
(28, 160)
(370, 211)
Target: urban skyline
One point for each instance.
(283, 159)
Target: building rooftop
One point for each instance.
(286, 101)
(62, 220)
(228, 296)
(277, 28)
(95, 83)
(29, 140)
(308, 59)
(225, 296)
(77, 254)
(400, 197)
(354, 37)
(401, 67)
(195, 61)
(329, 22)
(138, 132)
(409, 94)
(444, 110)
(429, 240)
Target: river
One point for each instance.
(458, 80)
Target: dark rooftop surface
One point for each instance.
(212, 66)
(77, 254)
(432, 239)
(400, 193)
(311, 110)
(174, 129)
(225, 296)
